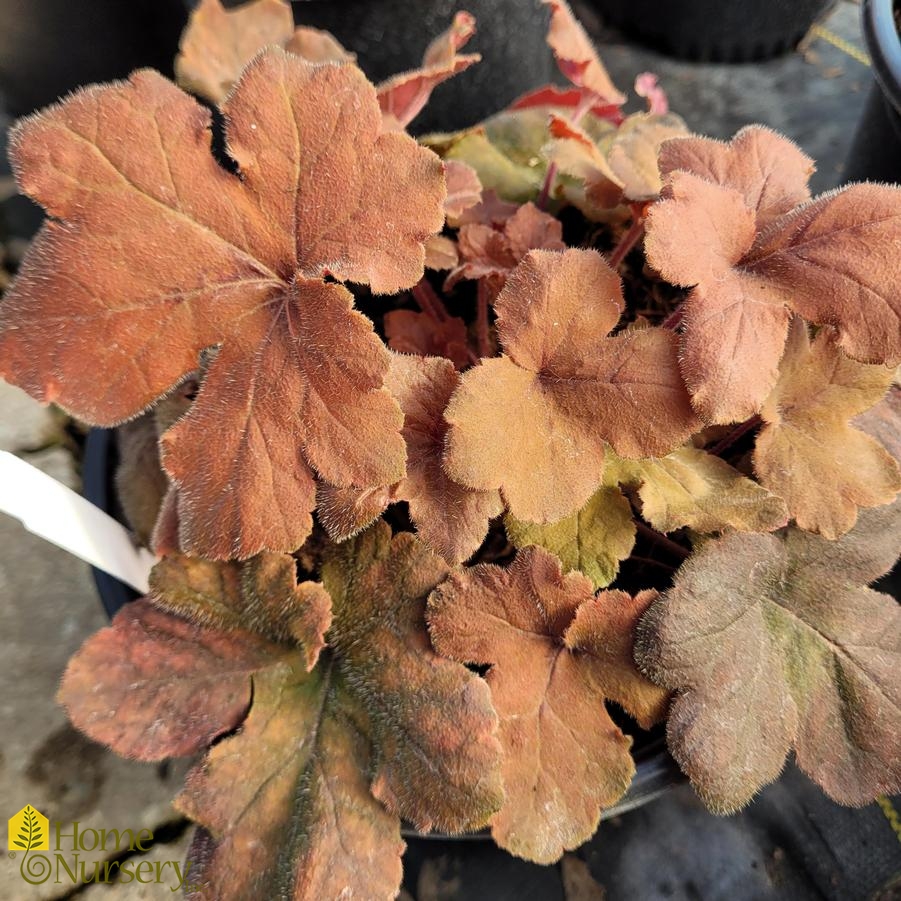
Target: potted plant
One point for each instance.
(876, 148)
(728, 31)
(467, 450)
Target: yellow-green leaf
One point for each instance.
(593, 540)
(691, 488)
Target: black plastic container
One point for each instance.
(876, 151)
(729, 31)
(51, 47)
(390, 36)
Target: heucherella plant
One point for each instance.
(447, 446)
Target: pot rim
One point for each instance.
(884, 44)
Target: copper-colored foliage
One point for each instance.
(151, 669)
(217, 43)
(403, 97)
(464, 190)
(168, 253)
(626, 167)
(409, 332)
(490, 252)
(141, 484)
(534, 422)
(575, 54)
(450, 519)
(437, 754)
(808, 452)
(556, 652)
(731, 225)
(773, 642)
(286, 803)
(304, 800)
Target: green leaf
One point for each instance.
(593, 540)
(691, 488)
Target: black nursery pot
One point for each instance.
(390, 36)
(656, 771)
(728, 31)
(51, 47)
(876, 151)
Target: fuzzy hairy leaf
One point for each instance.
(152, 686)
(534, 423)
(773, 642)
(593, 540)
(285, 802)
(411, 332)
(730, 226)
(403, 97)
(621, 163)
(441, 253)
(164, 252)
(808, 452)
(634, 150)
(437, 756)
(691, 488)
(767, 169)
(450, 519)
(464, 190)
(556, 653)
(141, 483)
(576, 56)
(304, 799)
(489, 252)
(261, 595)
(219, 43)
(575, 153)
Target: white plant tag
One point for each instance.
(54, 512)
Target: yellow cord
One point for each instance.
(831, 37)
(890, 814)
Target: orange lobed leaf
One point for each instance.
(575, 153)
(807, 452)
(576, 56)
(409, 332)
(464, 190)
(304, 799)
(450, 519)
(219, 43)
(534, 422)
(438, 756)
(403, 97)
(773, 642)
(556, 653)
(490, 252)
(168, 253)
(150, 668)
(730, 225)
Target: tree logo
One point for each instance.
(29, 830)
